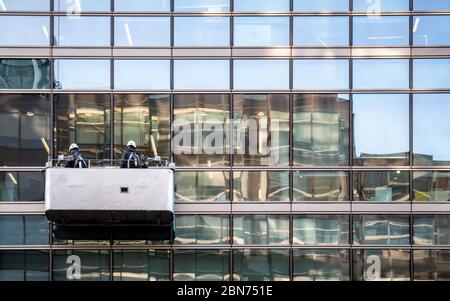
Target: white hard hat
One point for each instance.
(72, 146)
(132, 143)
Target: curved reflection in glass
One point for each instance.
(141, 265)
(95, 265)
(261, 186)
(431, 186)
(431, 230)
(320, 230)
(320, 186)
(260, 265)
(22, 186)
(260, 229)
(320, 265)
(24, 74)
(202, 186)
(201, 265)
(381, 186)
(394, 265)
(432, 265)
(381, 229)
(202, 229)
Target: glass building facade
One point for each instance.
(350, 178)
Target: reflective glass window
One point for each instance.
(18, 230)
(24, 265)
(24, 30)
(141, 265)
(320, 230)
(261, 129)
(202, 186)
(381, 186)
(199, 127)
(201, 31)
(144, 119)
(22, 186)
(431, 74)
(202, 229)
(321, 6)
(80, 6)
(24, 5)
(201, 265)
(261, 31)
(261, 6)
(380, 229)
(141, 31)
(381, 127)
(142, 75)
(201, 74)
(431, 4)
(261, 75)
(321, 129)
(323, 31)
(24, 74)
(139, 5)
(261, 229)
(431, 265)
(79, 31)
(82, 74)
(431, 186)
(431, 30)
(320, 186)
(381, 31)
(381, 74)
(431, 129)
(320, 265)
(83, 119)
(321, 74)
(25, 129)
(374, 7)
(261, 186)
(94, 265)
(384, 265)
(209, 6)
(260, 265)
(431, 230)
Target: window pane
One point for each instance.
(94, 264)
(80, 6)
(381, 229)
(202, 186)
(24, 266)
(201, 265)
(373, 7)
(261, 186)
(261, 129)
(202, 31)
(381, 31)
(381, 74)
(201, 74)
(141, 31)
(431, 186)
(320, 186)
(431, 265)
(142, 6)
(142, 74)
(78, 31)
(431, 30)
(140, 117)
(321, 129)
(23, 186)
(321, 31)
(141, 265)
(24, 31)
(431, 4)
(16, 230)
(82, 74)
(210, 6)
(24, 5)
(320, 6)
(381, 127)
(261, 229)
(431, 142)
(319, 265)
(202, 229)
(25, 134)
(432, 73)
(322, 74)
(431, 230)
(261, 75)
(24, 74)
(381, 186)
(198, 129)
(261, 31)
(260, 265)
(261, 6)
(393, 265)
(320, 230)
(83, 119)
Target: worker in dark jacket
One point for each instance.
(131, 158)
(75, 159)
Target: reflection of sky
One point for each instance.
(322, 5)
(380, 74)
(85, 5)
(202, 31)
(142, 31)
(139, 5)
(201, 74)
(431, 73)
(261, 74)
(431, 4)
(383, 5)
(24, 30)
(381, 31)
(261, 6)
(431, 30)
(201, 5)
(321, 31)
(83, 74)
(261, 31)
(33, 5)
(381, 123)
(321, 74)
(84, 31)
(142, 74)
(431, 125)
